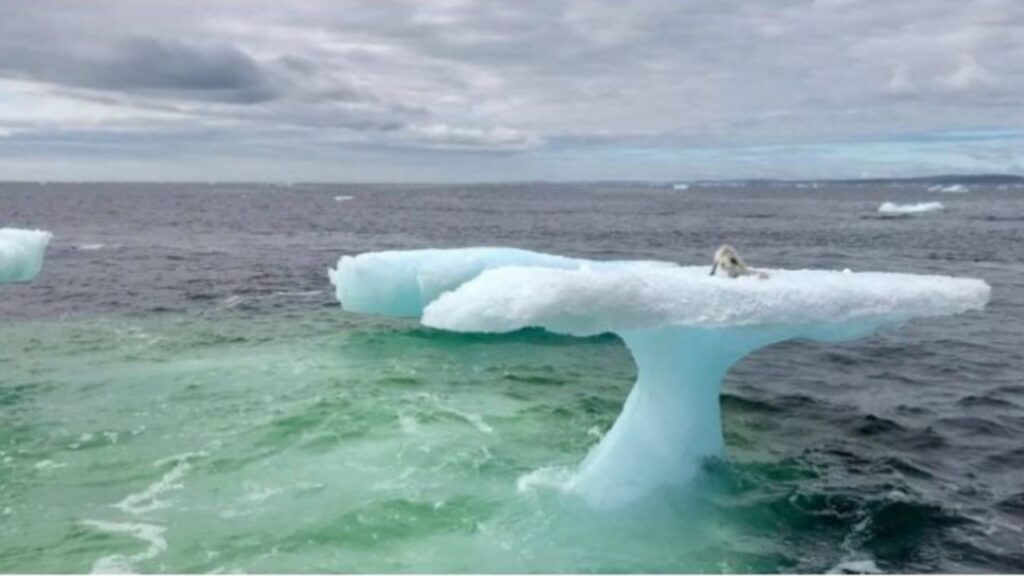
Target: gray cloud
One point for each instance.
(162, 67)
(176, 69)
(655, 77)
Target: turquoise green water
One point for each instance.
(298, 442)
(313, 440)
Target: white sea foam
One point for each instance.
(150, 534)
(408, 423)
(549, 477)
(299, 293)
(472, 418)
(855, 567)
(182, 457)
(50, 465)
(475, 419)
(255, 493)
(235, 300)
(148, 499)
(395, 483)
(890, 208)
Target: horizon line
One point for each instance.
(666, 182)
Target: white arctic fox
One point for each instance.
(728, 260)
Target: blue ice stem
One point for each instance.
(671, 421)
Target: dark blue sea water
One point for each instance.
(179, 390)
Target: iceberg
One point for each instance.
(892, 209)
(951, 189)
(684, 328)
(21, 254)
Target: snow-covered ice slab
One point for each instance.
(403, 283)
(21, 254)
(892, 209)
(684, 328)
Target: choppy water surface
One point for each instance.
(180, 392)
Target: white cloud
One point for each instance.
(497, 137)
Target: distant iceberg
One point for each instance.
(21, 254)
(681, 186)
(951, 189)
(891, 209)
(684, 328)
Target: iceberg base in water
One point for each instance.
(671, 421)
(684, 328)
(21, 254)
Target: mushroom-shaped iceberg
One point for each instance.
(683, 327)
(21, 254)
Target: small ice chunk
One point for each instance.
(950, 189)
(890, 208)
(21, 253)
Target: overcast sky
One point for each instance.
(459, 90)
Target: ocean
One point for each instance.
(181, 392)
